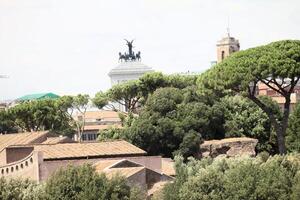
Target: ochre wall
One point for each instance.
(3, 157)
(25, 168)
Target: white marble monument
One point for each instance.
(130, 68)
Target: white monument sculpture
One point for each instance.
(129, 68)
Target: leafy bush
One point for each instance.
(243, 118)
(293, 132)
(85, 183)
(236, 178)
(77, 183)
(15, 189)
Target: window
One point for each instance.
(91, 136)
(223, 55)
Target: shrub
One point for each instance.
(276, 177)
(14, 189)
(85, 183)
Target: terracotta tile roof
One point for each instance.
(101, 127)
(167, 166)
(125, 171)
(20, 138)
(102, 114)
(57, 140)
(122, 167)
(88, 150)
(103, 164)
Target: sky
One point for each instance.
(69, 46)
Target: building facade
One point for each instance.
(35, 156)
(96, 121)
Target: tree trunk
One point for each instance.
(281, 140)
(284, 125)
(280, 127)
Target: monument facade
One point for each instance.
(130, 67)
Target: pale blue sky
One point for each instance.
(69, 46)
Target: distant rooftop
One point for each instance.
(38, 96)
(21, 139)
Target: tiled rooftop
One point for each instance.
(101, 127)
(168, 167)
(111, 168)
(88, 150)
(102, 114)
(20, 139)
(57, 140)
(125, 171)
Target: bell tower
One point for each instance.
(226, 46)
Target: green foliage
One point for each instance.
(100, 100)
(164, 127)
(7, 123)
(15, 189)
(76, 183)
(111, 133)
(236, 178)
(135, 93)
(36, 116)
(277, 65)
(85, 183)
(69, 104)
(276, 180)
(296, 187)
(293, 132)
(244, 118)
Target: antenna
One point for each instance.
(228, 29)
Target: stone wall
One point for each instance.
(3, 157)
(230, 147)
(25, 168)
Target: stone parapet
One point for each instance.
(27, 167)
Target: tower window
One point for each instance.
(222, 55)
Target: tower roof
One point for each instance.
(130, 67)
(227, 40)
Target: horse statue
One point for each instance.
(138, 56)
(133, 56)
(130, 55)
(121, 57)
